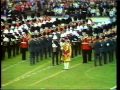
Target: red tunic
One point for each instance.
(86, 45)
(24, 43)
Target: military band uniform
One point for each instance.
(61, 48)
(5, 45)
(114, 47)
(86, 50)
(13, 46)
(103, 50)
(74, 41)
(41, 48)
(36, 50)
(49, 46)
(17, 46)
(90, 48)
(24, 47)
(66, 54)
(9, 49)
(73, 49)
(32, 51)
(79, 46)
(110, 50)
(45, 47)
(97, 54)
(55, 52)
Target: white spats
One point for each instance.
(66, 65)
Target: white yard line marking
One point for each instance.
(113, 88)
(55, 74)
(21, 76)
(4, 69)
(31, 74)
(25, 75)
(86, 73)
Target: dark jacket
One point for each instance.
(57, 48)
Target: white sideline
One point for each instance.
(31, 74)
(4, 69)
(113, 88)
(23, 76)
(55, 74)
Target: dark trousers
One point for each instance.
(32, 58)
(37, 56)
(90, 55)
(54, 58)
(110, 55)
(3, 52)
(45, 53)
(41, 54)
(97, 58)
(9, 51)
(60, 55)
(104, 57)
(73, 51)
(86, 55)
(79, 48)
(17, 50)
(13, 48)
(23, 50)
(76, 50)
(49, 51)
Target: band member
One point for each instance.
(32, 43)
(66, 54)
(55, 52)
(86, 49)
(24, 47)
(97, 54)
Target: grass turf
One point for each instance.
(18, 74)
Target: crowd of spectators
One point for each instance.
(21, 6)
(63, 7)
(58, 7)
(78, 9)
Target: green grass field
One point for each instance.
(18, 74)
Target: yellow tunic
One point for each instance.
(66, 52)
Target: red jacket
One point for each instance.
(86, 45)
(24, 43)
